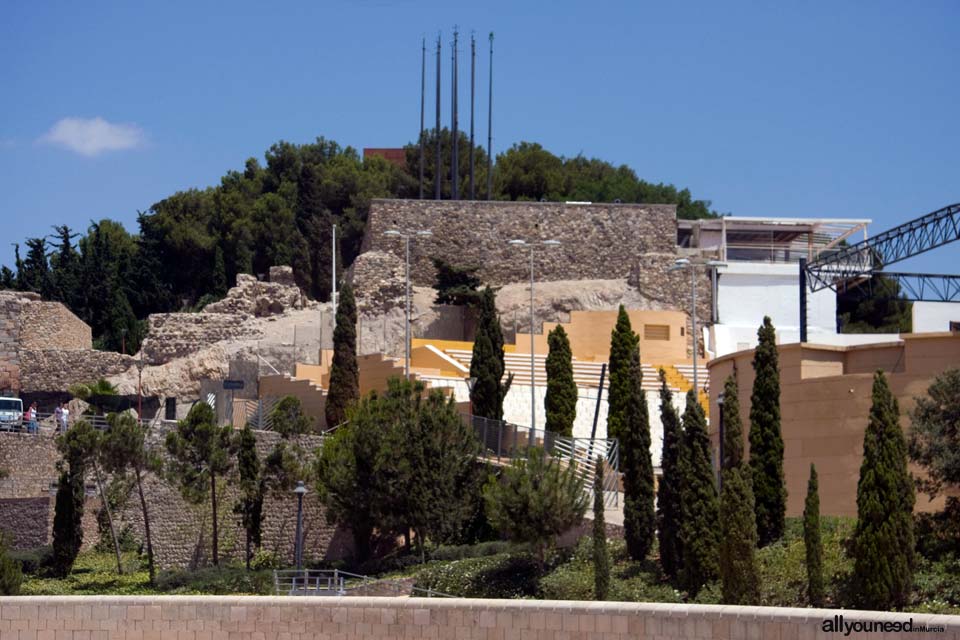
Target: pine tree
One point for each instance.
(487, 365)
(766, 442)
(812, 542)
(699, 505)
(8, 280)
(35, 275)
(344, 373)
(668, 492)
(561, 400)
(601, 557)
(732, 425)
(200, 453)
(639, 517)
(316, 226)
(65, 269)
(219, 285)
(739, 570)
(883, 541)
(623, 342)
(250, 506)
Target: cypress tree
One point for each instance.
(67, 521)
(344, 373)
(812, 542)
(883, 541)
(699, 505)
(739, 570)
(11, 575)
(250, 506)
(732, 425)
(601, 558)
(623, 342)
(766, 442)
(668, 492)
(639, 518)
(487, 365)
(561, 400)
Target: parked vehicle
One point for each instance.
(11, 413)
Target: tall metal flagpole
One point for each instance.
(333, 274)
(490, 128)
(454, 159)
(473, 71)
(423, 95)
(533, 365)
(437, 168)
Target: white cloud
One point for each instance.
(93, 136)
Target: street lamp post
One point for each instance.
(533, 367)
(405, 236)
(298, 543)
(693, 265)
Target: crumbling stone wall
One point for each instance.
(378, 282)
(251, 297)
(50, 325)
(176, 335)
(9, 337)
(598, 241)
(51, 370)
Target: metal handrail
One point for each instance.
(334, 582)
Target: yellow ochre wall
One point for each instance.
(825, 396)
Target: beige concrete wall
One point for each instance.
(825, 397)
(349, 618)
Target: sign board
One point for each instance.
(232, 384)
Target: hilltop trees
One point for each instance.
(344, 372)
(883, 542)
(669, 513)
(699, 524)
(200, 453)
(560, 403)
(487, 365)
(766, 442)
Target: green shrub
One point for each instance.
(265, 560)
(11, 575)
(479, 550)
(938, 582)
(499, 576)
(32, 561)
(938, 534)
(217, 581)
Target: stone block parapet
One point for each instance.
(349, 618)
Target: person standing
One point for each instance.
(32, 418)
(64, 417)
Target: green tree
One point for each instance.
(535, 500)
(601, 557)
(739, 569)
(11, 575)
(883, 542)
(880, 309)
(699, 505)
(65, 269)
(766, 441)
(315, 225)
(487, 365)
(561, 400)
(250, 506)
(812, 542)
(67, 521)
(623, 343)
(344, 372)
(8, 280)
(669, 515)
(732, 425)
(125, 453)
(200, 452)
(935, 437)
(430, 164)
(288, 418)
(456, 285)
(35, 274)
(219, 285)
(639, 517)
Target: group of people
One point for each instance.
(61, 414)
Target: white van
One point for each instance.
(11, 413)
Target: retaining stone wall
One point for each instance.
(599, 241)
(174, 335)
(26, 521)
(53, 370)
(348, 618)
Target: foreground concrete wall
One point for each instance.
(265, 618)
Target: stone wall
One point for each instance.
(26, 521)
(176, 335)
(309, 618)
(50, 325)
(181, 531)
(598, 241)
(9, 337)
(53, 370)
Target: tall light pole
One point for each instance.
(298, 543)
(533, 367)
(406, 236)
(693, 265)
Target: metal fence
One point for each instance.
(51, 424)
(503, 442)
(333, 582)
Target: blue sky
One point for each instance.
(834, 109)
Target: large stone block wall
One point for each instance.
(26, 521)
(54, 370)
(50, 325)
(180, 531)
(598, 241)
(175, 335)
(320, 618)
